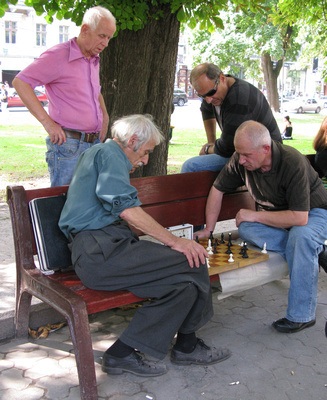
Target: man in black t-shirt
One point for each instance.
(228, 101)
(290, 217)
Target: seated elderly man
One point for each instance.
(291, 213)
(107, 255)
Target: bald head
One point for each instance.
(252, 142)
(254, 132)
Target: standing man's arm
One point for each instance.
(26, 93)
(105, 123)
(210, 126)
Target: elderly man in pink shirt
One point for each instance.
(77, 117)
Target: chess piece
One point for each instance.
(231, 259)
(222, 241)
(228, 251)
(209, 245)
(211, 236)
(245, 251)
(264, 249)
(230, 240)
(208, 264)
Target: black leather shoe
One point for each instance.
(323, 259)
(133, 363)
(286, 326)
(201, 355)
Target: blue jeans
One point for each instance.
(208, 162)
(300, 246)
(62, 159)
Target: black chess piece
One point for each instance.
(245, 252)
(222, 241)
(197, 239)
(230, 239)
(211, 236)
(228, 251)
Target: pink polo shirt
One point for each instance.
(72, 86)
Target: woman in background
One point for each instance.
(287, 134)
(320, 146)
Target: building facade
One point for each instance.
(25, 35)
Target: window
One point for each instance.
(41, 34)
(10, 31)
(63, 33)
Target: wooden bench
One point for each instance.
(171, 200)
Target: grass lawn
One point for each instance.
(186, 143)
(22, 147)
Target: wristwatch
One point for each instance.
(206, 149)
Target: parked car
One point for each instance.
(180, 97)
(303, 105)
(323, 100)
(15, 101)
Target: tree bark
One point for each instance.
(271, 71)
(137, 76)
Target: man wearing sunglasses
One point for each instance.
(228, 101)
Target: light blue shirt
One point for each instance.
(100, 189)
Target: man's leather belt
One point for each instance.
(86, 137)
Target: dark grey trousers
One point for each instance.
(113, 258)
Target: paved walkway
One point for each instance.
(265, 365)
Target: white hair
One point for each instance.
(136, 124)
(93, 16)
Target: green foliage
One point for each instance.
(135, 14)
(310, 17)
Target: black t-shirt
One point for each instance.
(243, 102)
(291, 184)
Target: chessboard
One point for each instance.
(218, 261)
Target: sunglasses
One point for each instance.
(211, 92)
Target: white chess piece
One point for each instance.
(264, 250)
(231, 259)
(208, 265)
(209, 245)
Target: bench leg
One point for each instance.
(22, 313)
(81, 337)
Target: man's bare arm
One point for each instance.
(278, 219)
(105, 123)
(210, 129)
(213, 208)
(26, 93)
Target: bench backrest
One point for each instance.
(171, 199)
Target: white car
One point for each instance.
(302, 105)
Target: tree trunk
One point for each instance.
(145, 85)
(271, 71)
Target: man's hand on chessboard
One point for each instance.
(203, 233)
(194, 252)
